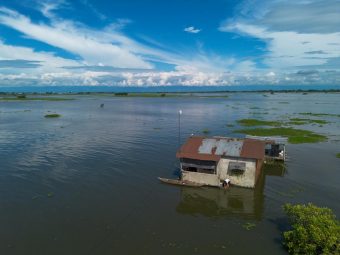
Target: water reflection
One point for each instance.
(238, 202)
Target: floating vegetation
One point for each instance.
(50, 194)
(294, 135)
(124, 94)
(20, 98)
(338, 155)
(52, 115)
(230, 125)
(205, 131)
(249, 225)
(320, 114)
(301, 121)
(255, 122)
(16, 111)
(258, 113)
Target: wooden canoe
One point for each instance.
(180, 182)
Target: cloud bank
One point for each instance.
(302, 46)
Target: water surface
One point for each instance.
(86, 183)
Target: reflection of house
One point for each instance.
(209, 161)
(215, 203)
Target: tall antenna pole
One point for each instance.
(179, 127)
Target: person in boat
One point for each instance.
(226, 183)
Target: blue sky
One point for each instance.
(163, 43)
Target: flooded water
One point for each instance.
(86, 183)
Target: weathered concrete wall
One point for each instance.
(207, 179)
(248, 179)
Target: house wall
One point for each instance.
(259, 164)
(248, 179)
(207, 179)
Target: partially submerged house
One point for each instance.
(209, 161)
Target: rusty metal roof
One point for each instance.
(202, 148)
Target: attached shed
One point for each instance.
(209, 161)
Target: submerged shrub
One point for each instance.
(52, 115)
(314, 230)
(21, 96)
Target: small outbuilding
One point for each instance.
(209, 161)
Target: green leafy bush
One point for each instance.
(314, 230)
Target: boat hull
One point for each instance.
(180, 182)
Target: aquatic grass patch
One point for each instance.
(320, 114)
(205, 131)
(19, 111)
(52, 115)
(294, 136)
(303, 121)
(338, 155)
(249, 225)
(256, 122)
(145, 95)
(35, 99)
(258, 113)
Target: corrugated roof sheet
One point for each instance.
(275, 139)
(202, 148)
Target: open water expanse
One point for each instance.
(86, 183)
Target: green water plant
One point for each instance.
(50, 194)
(338, 155)
(320, 114)
(52, 115)
(249, 225)
(313, 230)
(302, 121)
(25, 98)
(294, 135)
(205, 131)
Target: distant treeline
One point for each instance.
(162, 94)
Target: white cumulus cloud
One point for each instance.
(192, 30)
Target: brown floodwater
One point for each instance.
(86, 183)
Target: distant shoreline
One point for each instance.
(168, 89)
(55, 96)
